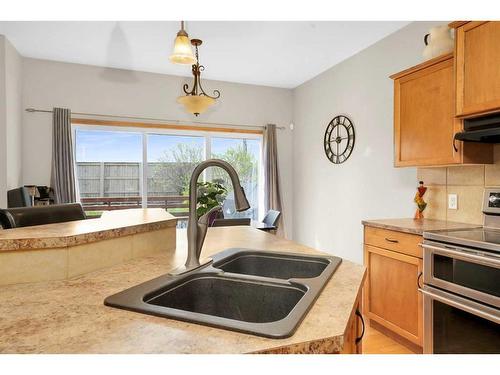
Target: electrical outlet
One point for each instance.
(452, 201)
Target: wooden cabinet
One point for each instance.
(353, 336)
(477, 50)
(390, 296)
(396, 241)
(424, 118)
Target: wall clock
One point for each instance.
(339, 139)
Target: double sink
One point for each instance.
(265, 293)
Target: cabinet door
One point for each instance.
(424, 116)
(391, 296)
(478, 68)
(353, 336)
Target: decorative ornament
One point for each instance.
(419, 200)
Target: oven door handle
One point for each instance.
(484, 260)
(451, 301)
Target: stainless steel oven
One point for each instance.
(471, 273)
(461, 290)
(461, 295)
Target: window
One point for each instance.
(125, 168)
(109, 167)
(171, 160)
(244, 155)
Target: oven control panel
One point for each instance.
(491, 203)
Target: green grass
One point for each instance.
(93, 214)
(178, 210)
(98, 214)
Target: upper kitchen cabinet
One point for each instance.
(424, 118)
(477, 51)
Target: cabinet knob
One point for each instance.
(391, 240)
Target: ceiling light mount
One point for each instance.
(182, 31)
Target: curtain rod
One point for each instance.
(32, 110)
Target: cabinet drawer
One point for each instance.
(404, 243)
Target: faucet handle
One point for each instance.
(204, 220)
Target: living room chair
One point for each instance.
(19, 197)
(39, 215)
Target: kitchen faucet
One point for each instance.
(197, 228)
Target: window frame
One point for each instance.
(146, 132)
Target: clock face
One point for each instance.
(339, 139)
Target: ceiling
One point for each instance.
(271, 53)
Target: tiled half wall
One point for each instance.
(468, 182)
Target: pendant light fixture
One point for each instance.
(196, 100)
(183, 52)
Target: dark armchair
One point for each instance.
(19, 197)
(38, 215)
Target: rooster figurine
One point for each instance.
(419, 200)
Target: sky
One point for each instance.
(115, 146)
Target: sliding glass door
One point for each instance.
(171, 160)
(245, 156)
(121, 168)
(109, 168)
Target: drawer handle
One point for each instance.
(358, 339)
(391, 240)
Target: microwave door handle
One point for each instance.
(449, 300)
(484, 260)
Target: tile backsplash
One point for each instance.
(468, 182)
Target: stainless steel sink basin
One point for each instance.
(259, 292)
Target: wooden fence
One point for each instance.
(123, 179)
(117, 185)
(109, 179)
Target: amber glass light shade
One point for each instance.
(196, 104)
(183, 52)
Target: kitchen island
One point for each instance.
(69, 316)
(64, 250)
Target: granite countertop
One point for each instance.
(416, 226)
(110, 225)
(69, 316)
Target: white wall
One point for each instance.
(84, 88)
(331, 200)
(10, 119)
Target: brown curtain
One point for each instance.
(63, 172)
(272, 192)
